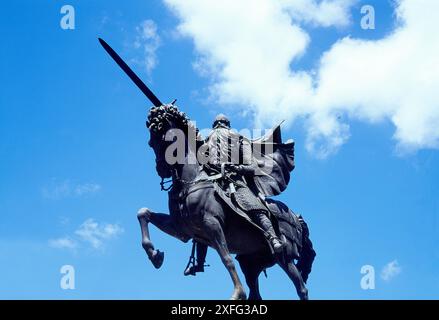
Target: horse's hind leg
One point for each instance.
(251, 270)
(294, 274)
(162, 221)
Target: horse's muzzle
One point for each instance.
(163, 169)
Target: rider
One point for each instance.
(232, 151)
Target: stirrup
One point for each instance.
(192, 270)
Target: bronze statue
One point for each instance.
(221, 142)
(220, 197)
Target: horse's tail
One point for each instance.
(307, 254)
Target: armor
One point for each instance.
(226, 146)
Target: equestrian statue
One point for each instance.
(220, 196)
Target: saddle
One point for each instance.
(286, 223)
(280, 215)
(223, 195)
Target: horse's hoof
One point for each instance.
(239, 295)
(157, 258)
(304, 295)
(254, 297)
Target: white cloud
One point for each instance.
(63, 243)
(95, 234)
(148, 41)
(250, 49)
(90, 233)
(324, 13)
(66, 188)
(390, 270)
(87, 188)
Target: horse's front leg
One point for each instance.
(162, 221)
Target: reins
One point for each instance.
(187, 183)
(163, 182)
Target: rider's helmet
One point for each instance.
(221, 121)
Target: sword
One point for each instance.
(139, 83)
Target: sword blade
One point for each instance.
(139, 83)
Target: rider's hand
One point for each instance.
(240, 169)
(232, 167)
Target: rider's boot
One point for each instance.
(265, 223)
(276, 243)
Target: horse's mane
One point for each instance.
(160, 118)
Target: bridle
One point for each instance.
(187, 183)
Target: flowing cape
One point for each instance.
(275, 161)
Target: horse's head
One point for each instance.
(161, 120)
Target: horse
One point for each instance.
(197, 213)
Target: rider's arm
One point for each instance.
(248, 165)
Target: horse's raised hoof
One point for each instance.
(239, 295)
(157, 258)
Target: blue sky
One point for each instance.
(75, 163)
